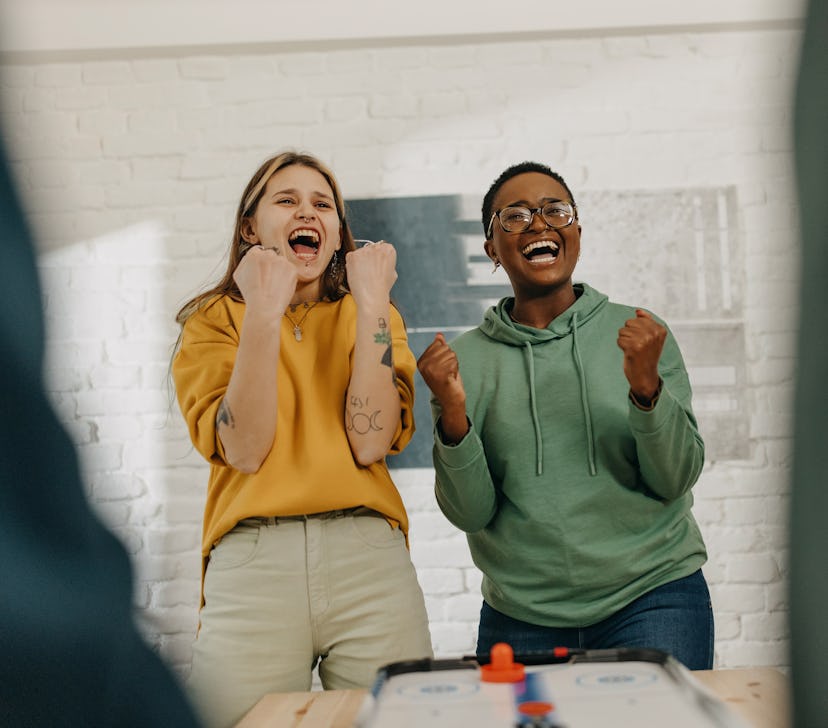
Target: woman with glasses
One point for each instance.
(566, 448)
(295, 378)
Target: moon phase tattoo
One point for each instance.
(361, 422)
(358, 414)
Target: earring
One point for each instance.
(496, 266)
(335, 264)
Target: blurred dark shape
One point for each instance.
(71, 654)
(809, 500)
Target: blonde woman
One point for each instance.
(295, 378)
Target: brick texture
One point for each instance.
(130, 170)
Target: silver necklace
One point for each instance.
(297, 326)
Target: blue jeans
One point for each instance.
(676, 618)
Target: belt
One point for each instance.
(322, 516)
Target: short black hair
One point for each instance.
(514, 171)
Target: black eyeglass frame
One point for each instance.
(573, 216)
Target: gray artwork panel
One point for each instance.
(677, 253)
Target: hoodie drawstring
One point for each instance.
(579, 367)
(530, 360)
(593, 470)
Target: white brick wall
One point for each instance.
(131, 168)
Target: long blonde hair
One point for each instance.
(334, 279)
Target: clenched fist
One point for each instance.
(372, 273)
(266, 279)
(440, 370)
(642, 339)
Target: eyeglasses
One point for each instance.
(517, 218)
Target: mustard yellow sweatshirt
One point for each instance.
(310, 468)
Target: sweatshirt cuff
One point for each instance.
(460, 455)
(647, 406)
(650, 420)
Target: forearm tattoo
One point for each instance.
(358, 419)
(383, 336)
(224, 416)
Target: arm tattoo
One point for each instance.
(224, 416)
(384, 337)
(361, 422)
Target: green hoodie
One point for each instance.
(575, 502)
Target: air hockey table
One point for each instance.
(563, 689)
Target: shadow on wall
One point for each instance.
(110, 334)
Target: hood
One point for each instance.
(498, 325)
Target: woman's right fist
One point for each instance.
(266, 279)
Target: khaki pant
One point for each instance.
(284, 594)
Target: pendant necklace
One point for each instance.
(297, 325)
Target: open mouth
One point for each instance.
(541, 251)
(305, 243)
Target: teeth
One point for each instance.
(303, 233)
(540, 244)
